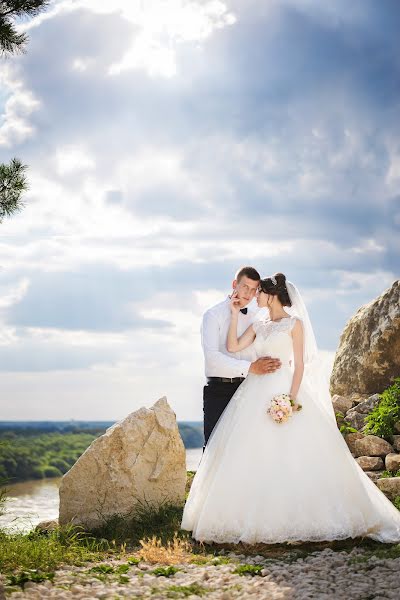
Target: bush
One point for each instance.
(50, 471)
(383, 417)
(60, 464)
(3, 496)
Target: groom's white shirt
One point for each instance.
(214, 331)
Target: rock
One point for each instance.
(47, 525)
(368, 357)
(341, 404)
(374, 475)
(356, 416)
(355, 419)
(139, 461)
(372, 445)
(392, 462)
(396, 442)
(357, 398)
(350, 439)
(389, 486)
(370, 463)
(366, 406)
(397, 426)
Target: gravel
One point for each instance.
(327, 573)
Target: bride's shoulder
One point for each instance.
(296, 323)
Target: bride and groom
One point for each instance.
(260, 480)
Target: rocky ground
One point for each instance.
(353, 574)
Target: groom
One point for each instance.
(224, 370)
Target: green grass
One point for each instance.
(144, 521)
(183, 591)
(164, 571)
(34, 556)
(248, 570)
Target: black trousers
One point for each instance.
(216, 396)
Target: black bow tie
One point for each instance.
(244, 311)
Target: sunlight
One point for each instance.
(159, 28)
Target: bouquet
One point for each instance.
(281, 408)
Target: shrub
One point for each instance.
(60, 464)
(383, 417)
(50, 471)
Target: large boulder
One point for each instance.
(139, 461)
(368, 358)
(372, 445)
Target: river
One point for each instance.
(30, 502)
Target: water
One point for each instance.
(30, 502)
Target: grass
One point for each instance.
(183, 591)
(144, 521)
(248, 570)
(165, 571)
(37, 551)
(173, 552)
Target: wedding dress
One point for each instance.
(260, 481)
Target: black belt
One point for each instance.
(225, 379)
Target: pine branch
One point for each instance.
(12, 185)
(12, 42)
(21, 8)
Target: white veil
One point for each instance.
(314, 378)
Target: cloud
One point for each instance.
(169, 147)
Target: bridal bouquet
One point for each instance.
(281, 408)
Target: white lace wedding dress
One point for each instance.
(259, 481)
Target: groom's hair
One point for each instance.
(249, 272)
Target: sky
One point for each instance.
(170, 142)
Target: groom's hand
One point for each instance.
(265, 365)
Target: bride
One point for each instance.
(264, 481)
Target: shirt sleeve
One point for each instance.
(217, 363)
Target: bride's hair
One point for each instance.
(276, 286)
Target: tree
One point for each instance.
(12, 176)
(11, 41)
(12, 184)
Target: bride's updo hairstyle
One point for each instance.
(276, 286)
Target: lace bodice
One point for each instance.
(273, 338)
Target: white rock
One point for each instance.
(140, 460)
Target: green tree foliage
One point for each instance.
(383, 417)
(38, 456)
(12, 176)
(11, 40)
(12, 185)
(34, 453)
